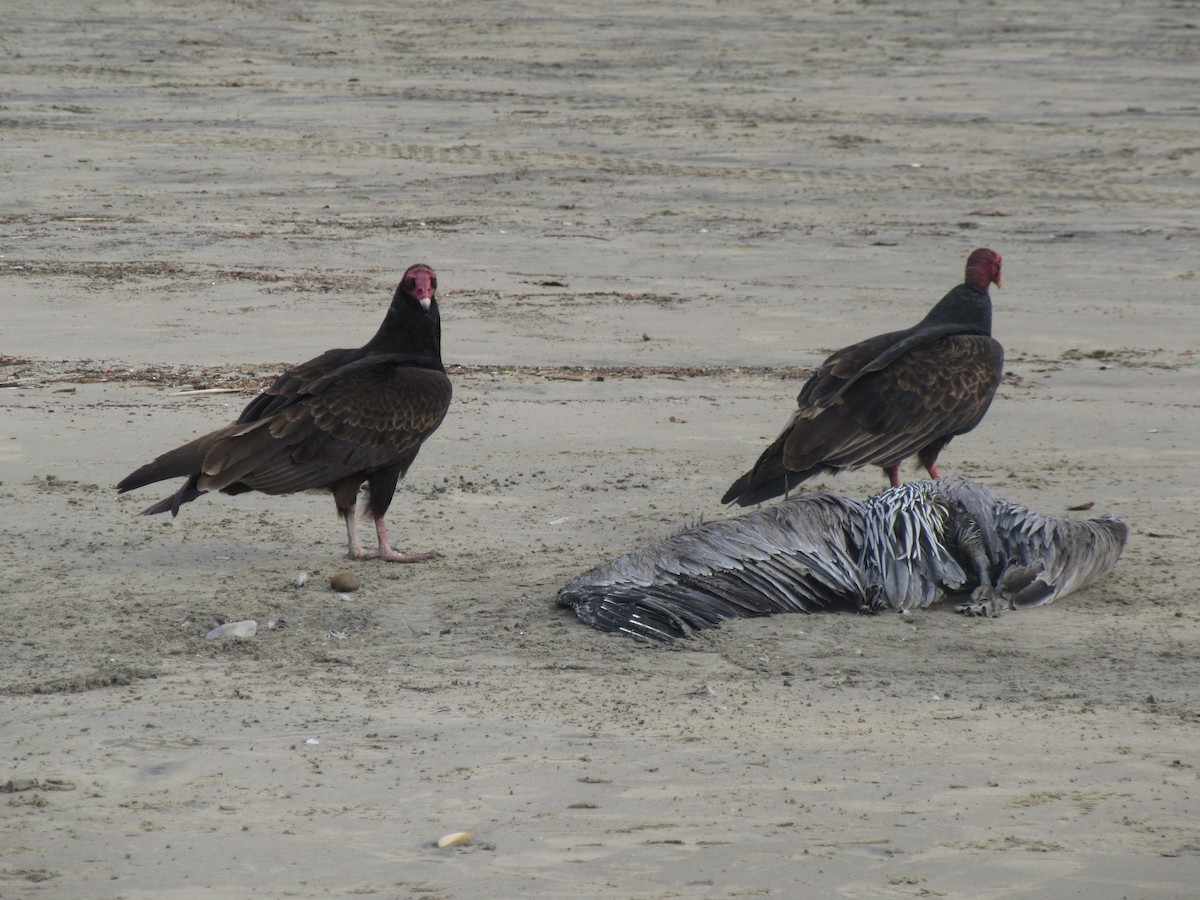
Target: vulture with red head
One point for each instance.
(345, 418)
(884, 399)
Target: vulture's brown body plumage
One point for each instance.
(345, 418)
(884, 399)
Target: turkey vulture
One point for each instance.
(334, 422)
(884, 399)
(903, 549)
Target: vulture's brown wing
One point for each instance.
(933, 391)
(188, 459)
(294, 382)
(368, 415)
(843, 369)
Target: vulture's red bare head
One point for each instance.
(420, 283)
(983, 269)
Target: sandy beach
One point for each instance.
(649, 221)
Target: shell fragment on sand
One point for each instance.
(244, 629)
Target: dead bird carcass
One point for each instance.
(903, 549)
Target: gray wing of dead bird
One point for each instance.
(798, 556)
(907, 551)
(903, 549)
(1046, 558)
(929, 540)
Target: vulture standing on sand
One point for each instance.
(881, 400)
(903, 549)
(332, 423)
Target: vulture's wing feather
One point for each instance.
(372, 413)
(937, 390)
(843, 369)
(295, 383)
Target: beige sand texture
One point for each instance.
(649, 220)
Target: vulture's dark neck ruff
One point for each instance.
(410, 329)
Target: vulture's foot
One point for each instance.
(391, 554)
(386, 551)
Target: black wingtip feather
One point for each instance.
(744, 492)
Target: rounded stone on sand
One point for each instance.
(345, 582)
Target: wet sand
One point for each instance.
(648, 223)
